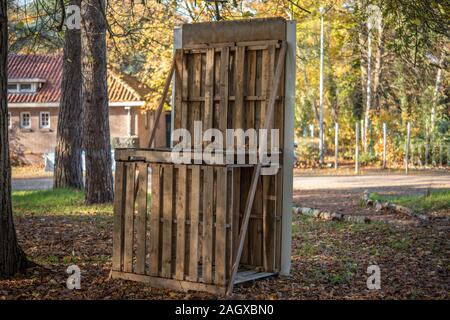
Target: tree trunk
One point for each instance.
(68, 169)
(97, 145)
(378, 72)
(12, 258)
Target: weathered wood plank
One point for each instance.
(239, 115)
(251, 87)
(155, 220)
(185, 92)
(178, 89)
(141, 219)
(224, 70)
(207, 243)
(167, 225)
(194, 223)
(119, 214)
(172, 284)
(129, 218)
(181, 221)
(221, 211)
(209, 90)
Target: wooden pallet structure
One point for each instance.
(207, 227)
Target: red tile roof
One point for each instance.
(121, 88)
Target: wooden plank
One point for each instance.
(229, 221)
(143, 155)
(269, 223)
(172, 284)
(184, 92)
(155, 219)
(239, 89)
(250, 112)
(236, 210)
(196, 91)
(141, 218)
(207, 248)
(181, 198)
(209, 90)
(252, 277)
(257, 171)
(119, 213)
(195, 209)
(167, 225)
(221, 211)
(178, 88)
(129, 218)
(224, 69)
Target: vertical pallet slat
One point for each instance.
(166, 263)
(141, 219)
(119, 211)
(184, 92)
(236, 210)
(196, 91)
(209, 90)
(221, 211)
(224, 69)
(269, 222)
(129, 218)
(178, 88)
(207, 254)
(155, 219)
(229, 223)
(195, 209)
(181, 221)
(250, 112)
(239, 88)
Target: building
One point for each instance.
(34, 92)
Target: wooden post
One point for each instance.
(336, 145)
(407, 142)
(440, 155)
(357, 148)
(384, 144)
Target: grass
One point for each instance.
(435, 200)
(55, 202)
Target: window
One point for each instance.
(45, 119)
(9, 120)
(12, 87)
(26, 87)
(25, 120)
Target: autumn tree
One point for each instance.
(12, 258)
(68, 168)
(96, 138)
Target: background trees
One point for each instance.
(68, 169)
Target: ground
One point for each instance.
(329, 259)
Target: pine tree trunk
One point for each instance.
(68, 169)
(96, 142)
(12, 258)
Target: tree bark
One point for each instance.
(96, 142)
(12, 258)
(68, 169)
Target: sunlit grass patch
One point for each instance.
(55, 202)
(435, 200)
